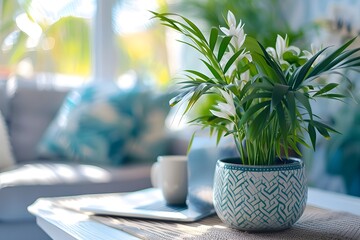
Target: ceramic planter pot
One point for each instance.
(259, 198)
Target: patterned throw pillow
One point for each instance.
(101, 123)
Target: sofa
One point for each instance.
(28, 108)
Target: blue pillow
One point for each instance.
(97, 123)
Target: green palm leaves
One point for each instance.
(264, 95)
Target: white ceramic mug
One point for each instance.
(169, 174)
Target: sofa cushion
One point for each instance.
(29, 113)
(6, 156)
(22, 185)
(3, 98)
(102, 124)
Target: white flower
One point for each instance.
(237, 31)
(314, 49)
(238, 38)
(244, 78)
(228, 55)
(281, 47)
(225, 109)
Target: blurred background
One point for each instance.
(71, 42)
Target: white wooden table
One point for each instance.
(60, 223)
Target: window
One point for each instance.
(74, 41)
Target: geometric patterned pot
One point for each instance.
(259, 198)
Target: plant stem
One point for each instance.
(238, 142)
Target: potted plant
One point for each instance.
(264, 102)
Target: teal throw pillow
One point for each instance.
(102, 124)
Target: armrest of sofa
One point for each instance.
(23, 184)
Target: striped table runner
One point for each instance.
(315, 223)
